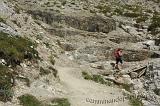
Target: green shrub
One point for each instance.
(60, 102)
(86, 76)
(141, 19)
(96, 78)
(149, 11)
(132, 14)
(135, 101)
(104, 8)
(14, 49)
(133, 8)
(2, 20)
(29, 100)
(6, 83)
(119, 11)
(44, 71)
(127, 87)
(155, 24)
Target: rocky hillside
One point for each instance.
(60, 52)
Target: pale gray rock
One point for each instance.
(5, 11)
(133, 75)
(7, 29)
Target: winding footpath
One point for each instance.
(83, 92)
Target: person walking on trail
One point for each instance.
(118, 56)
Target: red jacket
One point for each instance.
(118, 53)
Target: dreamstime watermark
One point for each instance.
(105, 101)
(115, 100)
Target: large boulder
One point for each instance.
(136, 55)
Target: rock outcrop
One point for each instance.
(91, 23)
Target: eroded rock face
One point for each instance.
(93, 53)
(131, 55)
(90, 23)
(124, 39)
(104, 53)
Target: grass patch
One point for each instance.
(60, 102)
(29, 100)
(96, 78)
(6, 83)
(86, 76)
(155, 24)
(14, 49)
(2, 20)
(131, 14)
(127, 87)
(133, 101)
(133, 8)
(141, 19)
(104, 8)
(119, 11)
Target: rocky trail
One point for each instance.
(83, 92)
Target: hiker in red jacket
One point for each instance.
(118, 57)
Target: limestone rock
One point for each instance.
(97, 66)
(91, 23)
(133, 75)
(66, 46)
(137, 84)
(136, 55)
(125, 79)
(7, 29)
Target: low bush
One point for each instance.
(14, 49)
(29, 100)
(60, 102)
(132, 14)
(104, 8)
(96, 78)
(141, 19)
(6, 83)
(155, 24)
(135, 102)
